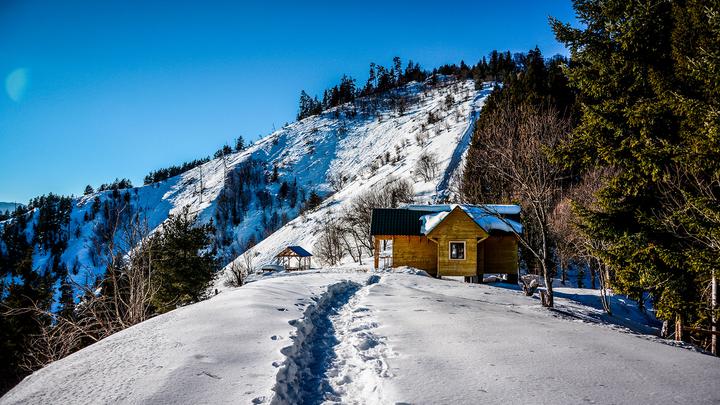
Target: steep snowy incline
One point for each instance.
(360, 158)
(361, 143)
(356, 337)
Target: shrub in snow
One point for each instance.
(427, 166)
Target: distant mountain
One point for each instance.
(8, 206)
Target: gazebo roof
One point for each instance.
(294, 251)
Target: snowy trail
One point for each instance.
(335, 357)
(357, 372)
(346, 336)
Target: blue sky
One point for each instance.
(104, 89)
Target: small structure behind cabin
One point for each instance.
(294, 258)
(449, 239)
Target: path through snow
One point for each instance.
(352, 337)
(335, 356)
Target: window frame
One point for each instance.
(464, 255)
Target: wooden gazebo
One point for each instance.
(287, 255)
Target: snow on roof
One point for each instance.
(488, 217)
(297, 250)
(429, 222)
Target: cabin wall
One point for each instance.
(457, 226)
(501, 254)
(415, 251)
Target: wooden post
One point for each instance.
(377, 252)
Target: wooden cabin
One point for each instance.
(449, 240)
(294, 258)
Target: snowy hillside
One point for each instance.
(357, 158)
(362, 144)
(376, 338)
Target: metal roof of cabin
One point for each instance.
(396, 221)
(294, 251)
(418, 220)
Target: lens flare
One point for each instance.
(16, 84)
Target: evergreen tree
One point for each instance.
(648, 78)
(89, 190)
(239, 144)
(313, 201)
(184, 265)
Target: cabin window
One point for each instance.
(457, 250)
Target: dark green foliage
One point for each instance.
(313, 201)
(163, 174)
(88, 190)
(308, 106)
(184, 266)
(647, 77)
(239, 144)
(537, 82)
(224, 151)
(118, 184)
(31, 288)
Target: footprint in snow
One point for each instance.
(210, 375)
(276, 337)
(282, 309)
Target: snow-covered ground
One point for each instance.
(348, 336)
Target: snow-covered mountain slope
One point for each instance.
(357, 158)
(376, 338)
(362, 143)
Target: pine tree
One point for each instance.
(648, 78)
(184, 265)
(239, 144)
(89, 190)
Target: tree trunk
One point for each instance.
(678, 328)
(547, 277)
(603, 290)
(713, 318)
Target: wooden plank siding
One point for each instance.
(415, 251)
(410, 250)
(457, 226)
(484, 253)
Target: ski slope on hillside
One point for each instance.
(361, 337)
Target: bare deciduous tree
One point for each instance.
(427, 166)
(119, 299)
(239, 269)
(329, 248)
(516, 143)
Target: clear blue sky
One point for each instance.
(102, 89)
